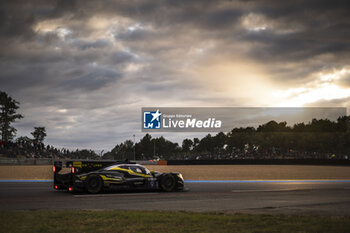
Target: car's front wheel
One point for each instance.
(94, 183)
(167, 182)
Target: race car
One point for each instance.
(96, 176)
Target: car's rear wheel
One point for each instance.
(94, 183)
(167, 183)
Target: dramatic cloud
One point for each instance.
(84, 69)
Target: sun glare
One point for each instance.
(324, 88)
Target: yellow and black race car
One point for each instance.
(96, 176)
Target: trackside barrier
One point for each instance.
(333, 162)
(5, 161)
(162, 162)
(8, 161)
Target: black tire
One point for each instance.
(168, 183)
(94, 183)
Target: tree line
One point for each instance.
(316, 139)
(25, 146)
(8, 115)
(319, 138)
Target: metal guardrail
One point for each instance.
(49, 161)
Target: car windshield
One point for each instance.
(135, 168)
(140, 169)
(115, 167)
(146, 171)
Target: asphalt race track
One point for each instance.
(320, 198)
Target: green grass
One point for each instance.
(160, 221)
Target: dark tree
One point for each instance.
(220, 140)
(39, 134)
(273, 126)
(8, 115)
(163, 148)
(145, 147)
(207, 145)
(186, 145)
(24, 140)
(122, 151)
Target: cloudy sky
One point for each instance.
(83, 69)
